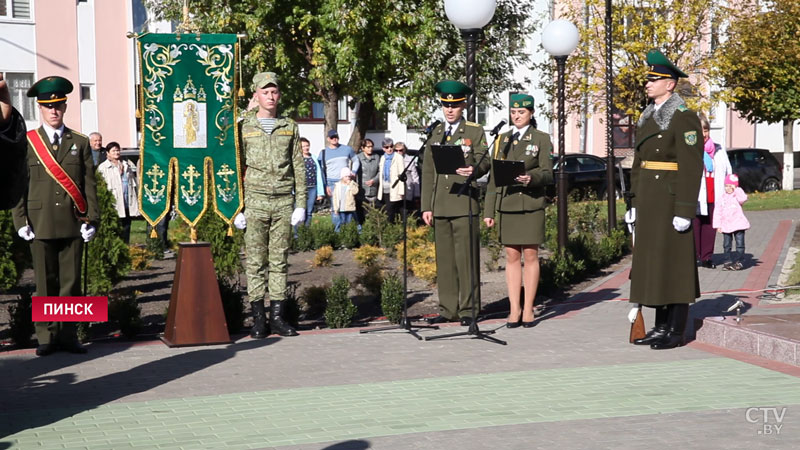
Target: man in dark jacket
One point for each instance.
(13, 148)
(665, 181)
(58, 211)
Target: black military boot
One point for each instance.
(659, 328)
(678, 315)
(276, 322)
(260, 328)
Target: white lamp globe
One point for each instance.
(469, 14)
(560, 37)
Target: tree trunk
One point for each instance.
(788, 155)
(330, 102)
(364, 113)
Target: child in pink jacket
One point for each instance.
(729, 220)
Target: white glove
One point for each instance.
(87, 232)
(240, 222)
(633, 313)
(26, 233)
(680, 223)
(630, 216)
(299, 215)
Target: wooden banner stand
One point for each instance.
(195, 308)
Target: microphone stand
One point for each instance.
(405, 323)
(475, 291)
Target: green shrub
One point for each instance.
(154, 245)
(140, 257)
(20, 324)
(560, 270)
(339, 311)
(392, 298)
(392, 234)
(369, 255)
(125, 311)
(313, 301)
(109, 256)
(305, 239)
(82, 331)
(375, 220)
(348, 235)
(232, 304)
(371, 280)
(324, 233)
(15, 254)
(226, 250)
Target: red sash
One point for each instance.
(55, 170)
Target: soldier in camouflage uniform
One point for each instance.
(274, 181)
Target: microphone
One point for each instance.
(497, 128)
(430, 127)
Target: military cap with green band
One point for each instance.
(661, 67)
(520, 101)
(50, 90)
(264, 79)
(452, 92)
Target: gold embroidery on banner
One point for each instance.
(192, 195)
(154, 192)
(227, 193)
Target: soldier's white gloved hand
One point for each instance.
(298, 216)
(87, 232)
(26, 233)
(630, 216)
(633, 313)
(240, 222)
(681, 223)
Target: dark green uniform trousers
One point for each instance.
(453, 265)
(57, 270)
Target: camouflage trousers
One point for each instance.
(267, 239)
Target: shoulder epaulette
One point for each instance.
(472, 124)
(78, 134)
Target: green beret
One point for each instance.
(520, 101)
(50, 90)
(452, 92)
(661, 67)
(263, 79)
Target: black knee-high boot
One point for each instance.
(678, 315)
(659, 328)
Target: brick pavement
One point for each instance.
(570, 382)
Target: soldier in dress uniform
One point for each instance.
(275, 181)
(520, 207)
(59, 210)
(665, 180)
(447, 212)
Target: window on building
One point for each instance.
(18, 85)
(318, 110)
(480, 113)
(86, 92)
(16, 9)
(623, 130)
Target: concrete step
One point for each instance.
(775, 337)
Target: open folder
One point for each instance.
(447, 158)
(505, 171)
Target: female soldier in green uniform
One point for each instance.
(520, 207)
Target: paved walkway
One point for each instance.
(571, 382)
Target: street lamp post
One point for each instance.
(611, 163)
(470, 16)
(559, 39)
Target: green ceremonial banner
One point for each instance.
(188, 114)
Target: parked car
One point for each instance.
(586, 176)
(757, 169)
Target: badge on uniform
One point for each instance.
(690, 137)
(532, 150)
(73, 150)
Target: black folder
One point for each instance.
(447, 158)
(505, 171)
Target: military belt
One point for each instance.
(659, 165)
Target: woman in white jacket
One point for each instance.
(121, 180)
(712, 186)
(389, 169)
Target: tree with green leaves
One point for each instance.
(681, 29)
(759, 65)
(385, 54)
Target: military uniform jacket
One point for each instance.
(663, 269)
(533, 149)
(45, 206)
(13, 149)
(440, 192)
(273, 162)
